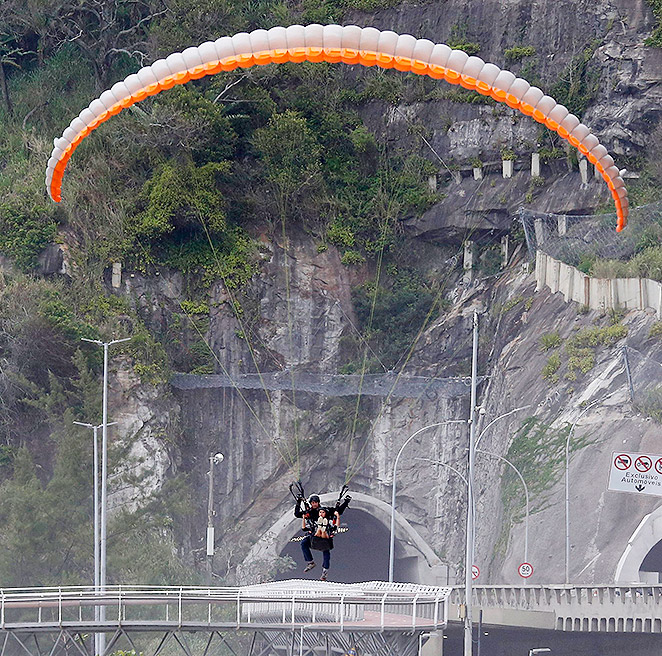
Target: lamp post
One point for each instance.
(96, 519)
(505, 414)
(391, 552)
(104, 476)
(470, 537)
(216, 459)
(526, 496)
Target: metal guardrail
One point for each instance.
(610, 608)
(293, 604)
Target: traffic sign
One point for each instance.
(622, 461)
(525, 570)
(475, 572)
(634, 472)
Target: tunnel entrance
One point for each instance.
(651, 566)
(359, 555)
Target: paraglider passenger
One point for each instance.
(320, 537)
(322, 526)
(311, 517)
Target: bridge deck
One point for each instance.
(286, 605)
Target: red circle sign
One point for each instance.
(658, 466)
(643, 464)
(475, 572)
(525, 570)
(622, 462)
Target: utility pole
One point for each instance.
(96, 521)
(104, 477)
(213, 460)
(469, 556)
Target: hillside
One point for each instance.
(310, 219)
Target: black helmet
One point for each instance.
(314, 497)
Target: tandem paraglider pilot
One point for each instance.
(320, 524)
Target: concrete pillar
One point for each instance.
(539, 228)
(562, 222)
(505, 251)
(507, 166)
(478, 172)
(432, 182)
(597, 173)
(117, 275)
(457, 177)
(468, 262)
(535, 165)
(583, 170)
(434, 644)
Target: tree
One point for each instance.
(291, 156)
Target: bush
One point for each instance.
(549, 371)
(352, 258)
(340, 235)
(24, 234)
(517, 53)
(550, 340)
(655, 39)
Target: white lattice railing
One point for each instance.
(289, 603)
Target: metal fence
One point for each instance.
(580, 240)
(371, 606)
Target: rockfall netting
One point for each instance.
(582, 240)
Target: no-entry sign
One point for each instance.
(640, 473)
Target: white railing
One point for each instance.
(608, 608)
(372, 606)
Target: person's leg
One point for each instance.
(326, 562)
(307, 555)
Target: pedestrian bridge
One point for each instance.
(287, 617)
(604, 608)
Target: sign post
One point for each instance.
(639, 473)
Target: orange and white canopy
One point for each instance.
(333, 43)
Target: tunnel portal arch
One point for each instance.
(639, 562)
(414, 559)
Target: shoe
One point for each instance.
(309, 566)
(324, 573)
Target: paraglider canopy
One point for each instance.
(334, 43)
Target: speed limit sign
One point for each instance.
(525, 570)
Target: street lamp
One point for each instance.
(216, 459)
(526, 495)
(104, 474)
(505, 414)
(391, 552)
(96, 520)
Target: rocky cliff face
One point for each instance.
(301, 307)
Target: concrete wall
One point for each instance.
(597, 293)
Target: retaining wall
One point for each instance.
(597, 293)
